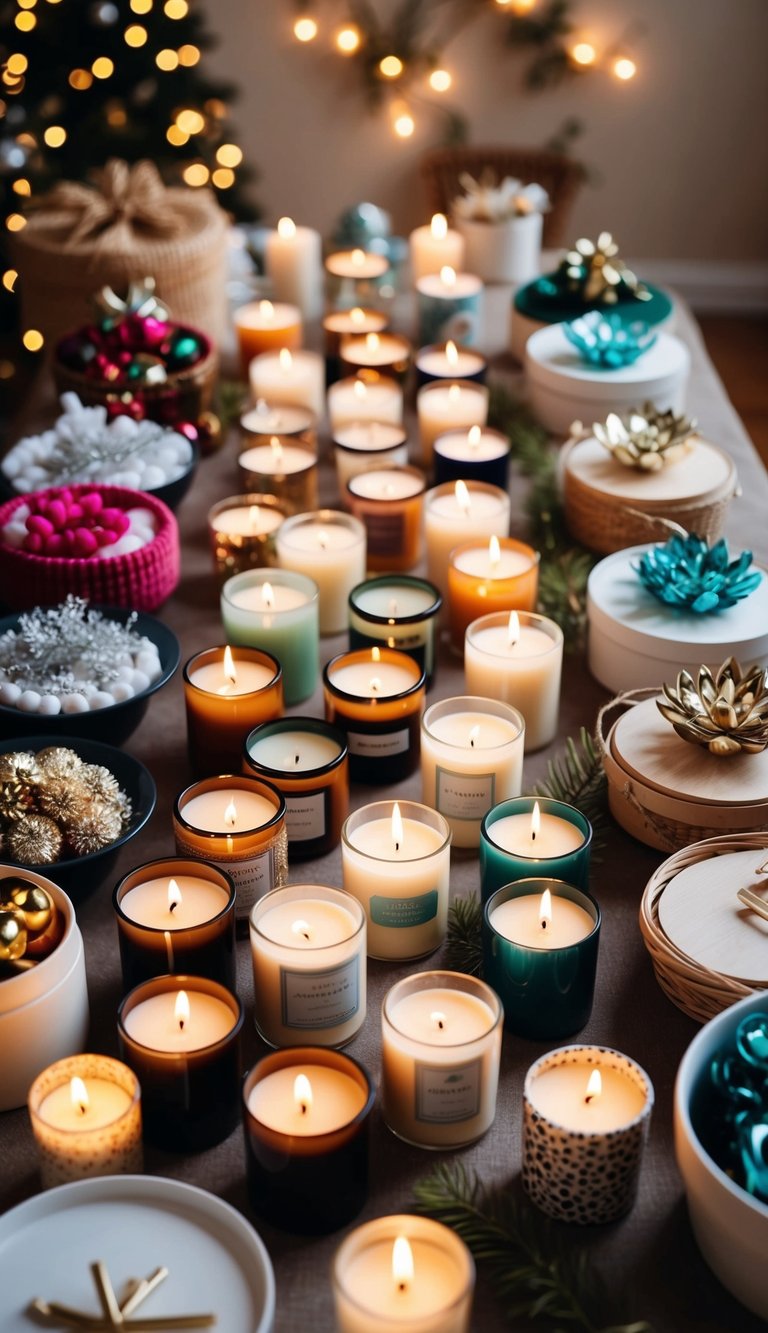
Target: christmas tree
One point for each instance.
(83, 82)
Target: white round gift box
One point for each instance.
(636, 642)
(563, 388)
(522, 327)
(505, 251)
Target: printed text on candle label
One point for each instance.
(464, 796)
(305, 816)
(403, 912)
(253, 875)
(378, 745)
(321, 999)
(447, 1093)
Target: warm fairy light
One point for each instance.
(397, 827)
(451, 353)
(167, 59)
(391, 67)
(286, 228)
(439, 226)
(348, 39)
(102, 67)
(17, 63)
(230, 670)
(55, 136)
(26, 4)
(135, 35)
(25, 22)
(230, 814)
(583, 53)
(181, 1009)
(494, 551)
(513, 629)
(33, 340)
(305, 29)
(462, 494)
(440, 80)
(196, 174)
(174, 895)
(176, 136)
(402, 1263)
(302, 1093)
(116, 114)
(81, 80)
(9, 279)
(448, 276)
(22, 187)
(403, 123)
(474, 737)
(15, 222)
(189, 56)
(545, 910)
(302, 928)
(78, 1094)
(222, 178)
(140, 6)
(624, 68)
(268, 595)
(594, 1086)
(190, 121)
(277, 449)
(176, 9)
(372, 341)
(535, 820)
(229, 155)
(360, 389)
(285, 359)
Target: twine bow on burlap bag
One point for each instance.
(128, 203)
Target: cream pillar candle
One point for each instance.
(444, 406)
(294, 266)
(387, 352)
(86, 1119)
(456, 512)
(356, 264)
(289, 377)
(471, 758)
(355, 400)
(518, 658)
(434, 246)
(329, 547)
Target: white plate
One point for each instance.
(217, 1263)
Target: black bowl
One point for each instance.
(120, 719)
(171, 492)
(84, 872)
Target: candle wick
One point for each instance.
(172, 906)
(296, 759)
(544, 923)
(397, 846)
(181, 1025)
(303, 1108)
(589, 1097)
(440, 1024)
(82, 1107)
(471, 742)
(401, 1286)
(533, 835)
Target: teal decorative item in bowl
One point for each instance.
(689, 573)
(609, 340)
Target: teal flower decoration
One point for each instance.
(608, 341)
(688, 573)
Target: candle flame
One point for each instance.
(372, 341)
(230, 815)
(474, 737)
(545, 910)
(463, 498)
(374, 684)
(474, 436)
(454, 394)
(439, 226)
(229, 665)
(181, 1009)
(285, 359)
(79, 1095)
(276, 447)
(286, 228)
(358, 258)
(375, 654)
(359, 389)
(402, 1263)
(268, 595)
(253, 518)
(451, 352)
(262, 407)
(302, 1093)
(392, 607)
(494, 551)
(174, 895)
(448, 276)
(266, 310)
(302, 928)
(397, 827)
(438, 1019)
(535, 820)
(513, 629)
(357, 315)
(594, 1086)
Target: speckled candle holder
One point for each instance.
(105, 1150)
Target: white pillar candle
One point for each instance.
(441, 1044)
(294, 266)
(541, 922)
(179, 1021)
(289, 377)
(356, 264)
(308, 951)
(541, 835)
(336, 1099)
(471, 759)
(278, 419)
(449, 362)
(481, 562)
(352, 400)
(228, 811)
(86, 1119)
(248, 520)
(442, 406)
(456, 512)
(174, 902)
(519, 659)
(365, 445)
(329, 547)
(395, 860)
(375, 351)
(434, 246)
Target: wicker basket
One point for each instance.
(141, 580)
(183, 396)
(698, 991)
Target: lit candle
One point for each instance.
(387, 352)
(448, 361)
(306, 760)
(471, 758)
(262, 325)
(540, 946)
(289, 377)
(518, 658)
(308, 951)
(587, 1112)
(449, 306)
(460, 512)
(360, 320)
(477, 454)
(277, 611)
(365, 445)
(293, 263)
(359, 265)
(241, 531)
(180, 1036)
(225, 694)
(441, 1045)
(283, 419)
(176, 915)
(445, 406)
(86, 1119)
(485, 576)
(389, 503)
(395, 858)
(238, 823)
(435, 246)
(397, 612)
(376, 697)
(306, 1115)
(328, 546)
(351, 401)
(406, 1273)
(529, 836)
(285, 467)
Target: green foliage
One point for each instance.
(536, 1274)
(576, 776)
(464, 951)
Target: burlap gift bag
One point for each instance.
(129, 226)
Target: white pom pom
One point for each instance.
(9, 693)
(156, 476)
(29, 701)
(74, 703)
(50, 705)
(123, 428)
(37, 476)
(122, 690)
(100, 699)
(140, 681)
(125, 671)
(149, 662)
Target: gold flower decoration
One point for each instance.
(647, 440)
(727, 712)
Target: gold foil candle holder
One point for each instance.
(287, 419)
(86, 1119)
(241, 532)
(285, 467)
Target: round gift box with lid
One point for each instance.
(636, 641)
(669, 793)
(609, 506)
(534, 309)
(564, 388)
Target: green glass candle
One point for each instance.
(540, 942)
(517, 843)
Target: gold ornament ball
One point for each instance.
(28, 898)
(13, 936)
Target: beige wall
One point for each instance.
(680, 149)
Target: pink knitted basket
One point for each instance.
(141, 580)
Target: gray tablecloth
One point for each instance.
(649, 1259)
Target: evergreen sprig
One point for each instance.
(536, 1274)
(576, 776)
(464, 950)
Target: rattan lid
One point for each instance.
(703, 475)
(700, 913)
(552, 362)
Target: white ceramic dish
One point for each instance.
(216, 1261)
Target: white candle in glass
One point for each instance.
(471, 759)
(371, 680)
(518, 658)
(475, 445)
(294, 266)
(352, 400)
(329, 547)
(83, 1105)
(443, 406)
(357, 264)
(357, 320)
(332, 1101)
(570, 1095)
(457, 512)
(449, 362)
(275, 458)
(174, 903)
(366, 445)
(85, 1112)
(386, 484)
(178, 1021)
(227, 810)
(375, 350)
(434, 246)
(294, 751)
(231, 678)
(542, 922)
(449, 285)
(277, 419)
(490, 561)
(247, 520)
(536, 834)
(289, 377)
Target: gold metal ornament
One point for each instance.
(727, 712)
(13, 936)
(30, 899)
(647, 440)
(595, 271)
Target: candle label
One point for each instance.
(253, 875)
(385, 533)
(321, 999)
(400, 913)
(464, 796)
(306, 815)
(446, 1094)
(378, 744)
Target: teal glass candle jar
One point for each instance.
(516, 843)
(540, 943)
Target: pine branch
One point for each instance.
(536, 1274)
(576, 776)
(464, 950)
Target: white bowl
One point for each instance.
(730, 1226)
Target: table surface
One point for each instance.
(650, 1258)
